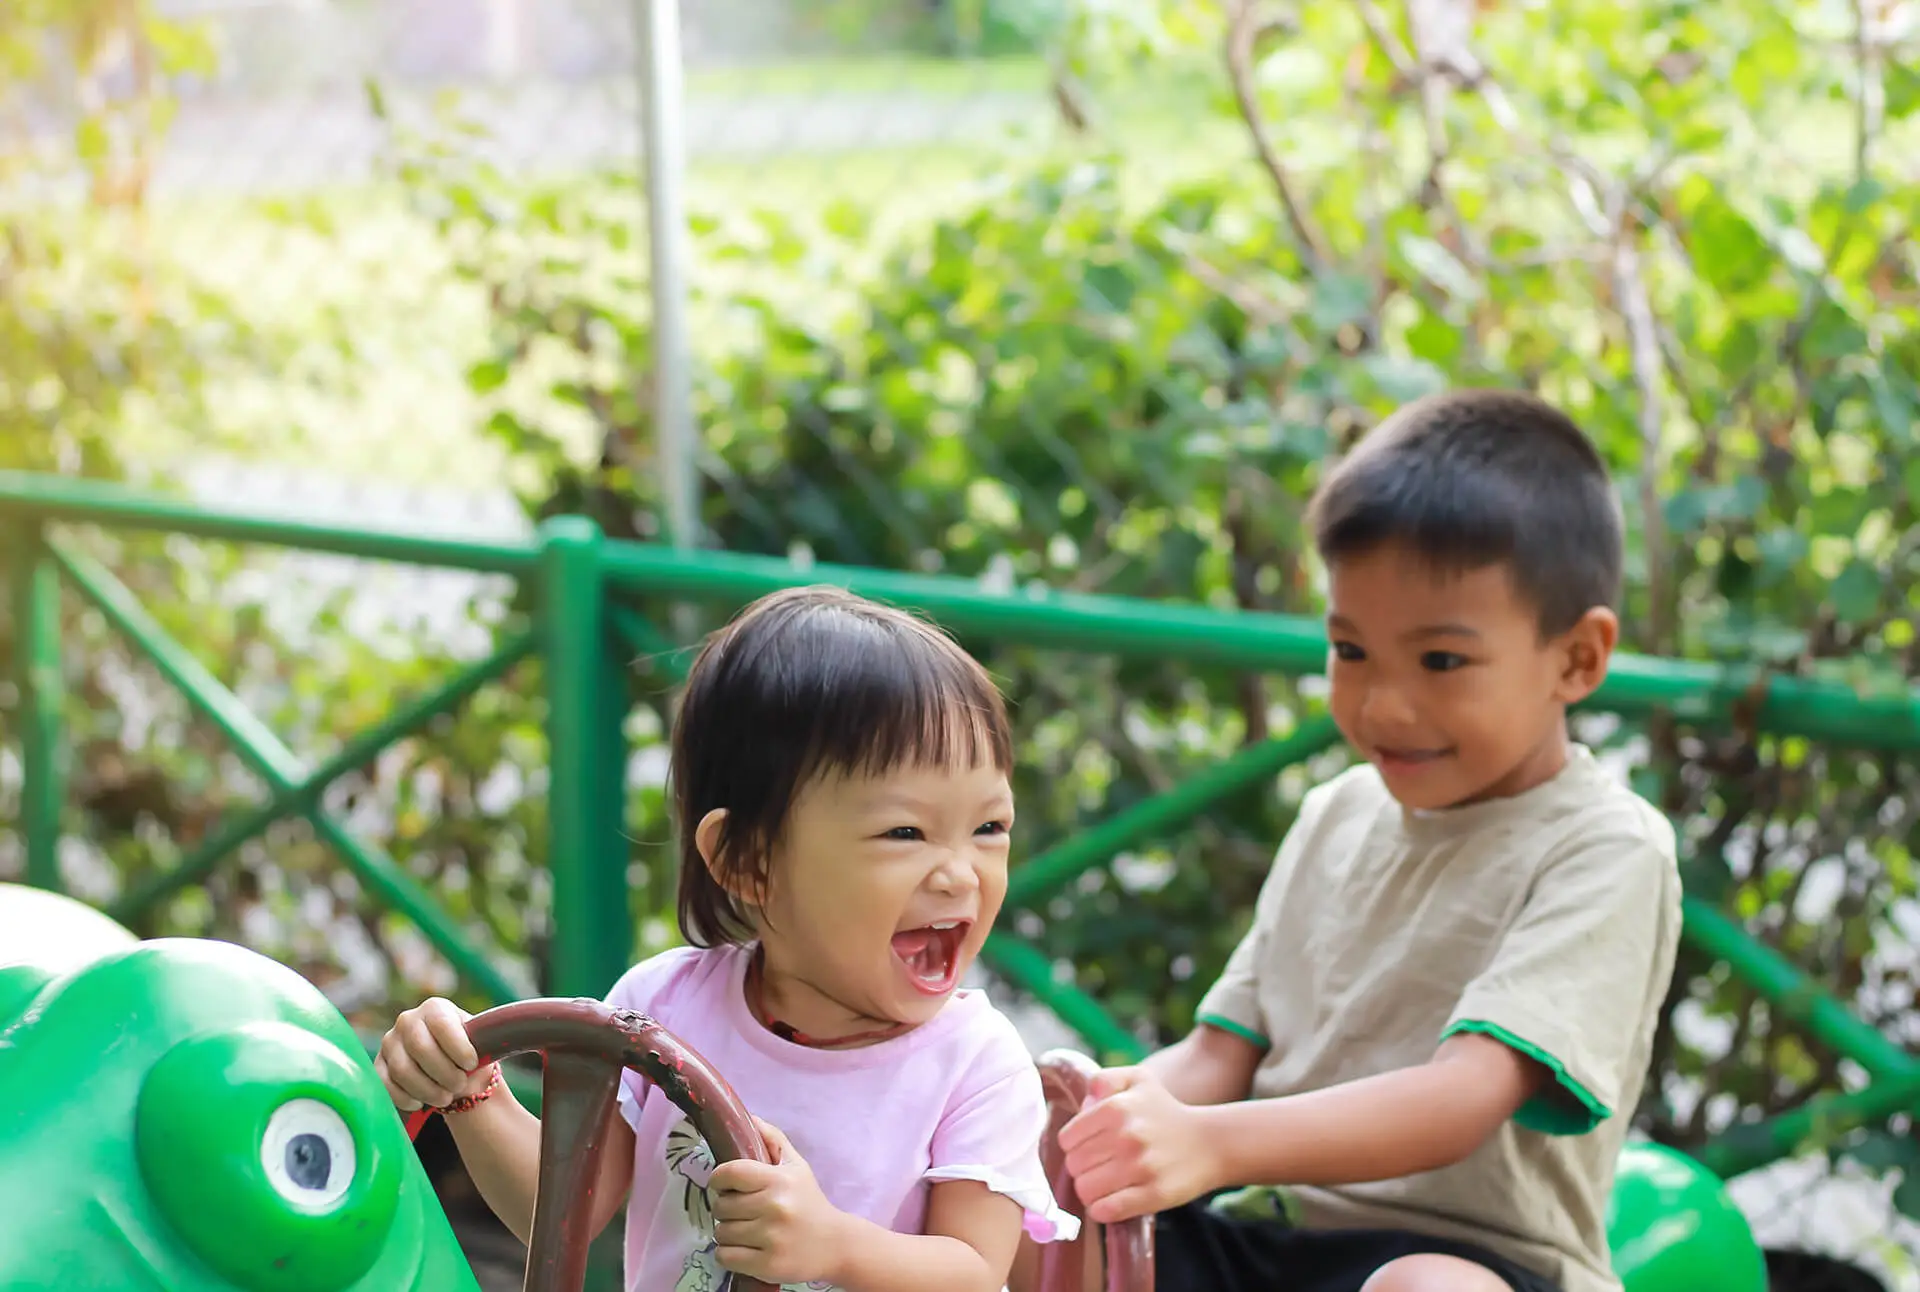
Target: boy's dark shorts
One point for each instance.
(1200, 1250)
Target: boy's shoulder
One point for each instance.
(1585, 810)
(1590, 814)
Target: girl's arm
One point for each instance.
(971, 1236)
(772, 1221)
(499, 1140)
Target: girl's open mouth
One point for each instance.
(931, 954)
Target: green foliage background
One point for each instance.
(1689, 224)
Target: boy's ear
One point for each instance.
(1586, 650)
(708, 838)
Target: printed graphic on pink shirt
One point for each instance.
(690, 1165)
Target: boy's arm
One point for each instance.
(1378, 1128)
(1141, 1149)
(1543, 1037)
(1209, 1065)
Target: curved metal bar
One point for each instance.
(586, 1044)
(1065, 1075)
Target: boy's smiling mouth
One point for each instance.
(930, 954)
(1405, 759)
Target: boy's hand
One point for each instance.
(771, 1222)
(1134, 1149)
(425, 1058)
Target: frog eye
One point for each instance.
(275, 1158)
(308, 1153)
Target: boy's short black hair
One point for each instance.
(1474, 478)
(806, 682)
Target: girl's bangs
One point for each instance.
(926, 706)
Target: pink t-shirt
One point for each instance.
(957, 1098)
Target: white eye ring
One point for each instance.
(308, 1153)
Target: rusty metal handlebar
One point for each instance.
(1066, 1075)
(587, 1044)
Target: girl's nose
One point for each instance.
(953, 875)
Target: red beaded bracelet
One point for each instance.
(465, 1102)
(417, 1119)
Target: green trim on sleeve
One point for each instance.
(1245, 1033)
(1544, 1113)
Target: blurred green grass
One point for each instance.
(938, 77)
(383, 331)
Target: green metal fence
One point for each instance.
(582, 590)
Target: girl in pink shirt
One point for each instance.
(840, 780)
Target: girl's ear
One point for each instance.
(706, 837)
(709, 837)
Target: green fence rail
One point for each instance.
(582, 588)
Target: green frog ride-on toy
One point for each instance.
(183, 1115)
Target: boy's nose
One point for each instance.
(1386, 706)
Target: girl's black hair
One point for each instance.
(802, 683)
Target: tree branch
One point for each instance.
(1643, 348)
(1243, 34)
(1260, 308)
(1398, 56)
(1870, 96)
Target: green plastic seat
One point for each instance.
(1673, 1228)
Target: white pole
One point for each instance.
(505, 38)
(662, 99)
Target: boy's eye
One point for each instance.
(994, 827)
(1442, 661)
(1347, 651)
(907, 832)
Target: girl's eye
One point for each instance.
(994, 827)
(904, 832)
(1442, 661)
(1347, 651)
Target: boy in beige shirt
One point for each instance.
(1434, 1035)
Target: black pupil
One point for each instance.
(309, 1161)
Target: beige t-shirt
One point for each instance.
(1548, 920)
